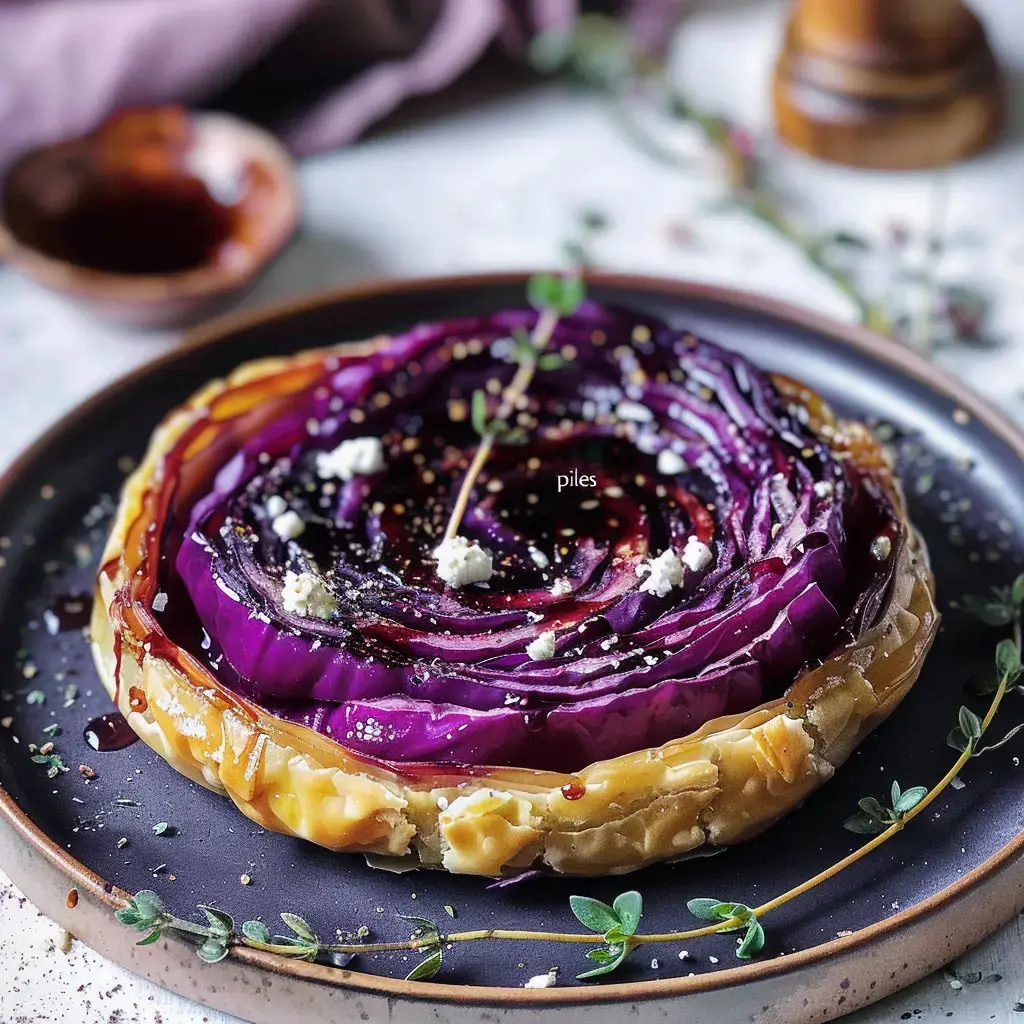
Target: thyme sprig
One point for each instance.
(553, 298)
(615, 926)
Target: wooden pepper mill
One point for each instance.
(891, 84)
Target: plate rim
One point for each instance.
(884, 350)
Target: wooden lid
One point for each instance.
(892, 86)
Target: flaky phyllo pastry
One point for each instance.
(681, 593)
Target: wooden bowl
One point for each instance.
(157, 219)
(887, 84)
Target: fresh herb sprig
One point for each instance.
(874, 817)
(616, 925)
(553, 298)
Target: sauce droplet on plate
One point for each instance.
(109, 732)
(68, 611)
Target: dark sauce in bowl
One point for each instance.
(132, 198)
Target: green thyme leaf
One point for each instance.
(425, 928)
(752, 942)
(1017, 591)
(895, 793)
(161, 828)
(257, 931)
(148, 904)
(993, 614)
(127, 915)
(551, 361)
(970, 723)
(35, 697)
(299, 926)
(616, 954)
(478, 414)
(1008, 660)
(563, 295)
(150, 938)
(957, 740)
(982, 684)
(212, 951)
(428, 966)
(910, 799)
(450, 911)
(524, 351)
(872, 808)
(601, 955)
(628, 906)
(594, 914)
(703, 908)
(53, 729)
(863, 825)
(220, 923)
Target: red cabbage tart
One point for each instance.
(681, 593)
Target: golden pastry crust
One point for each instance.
(724, 783)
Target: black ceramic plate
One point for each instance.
(966, 489)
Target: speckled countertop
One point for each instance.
(501, 186)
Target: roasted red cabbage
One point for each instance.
(682, 438)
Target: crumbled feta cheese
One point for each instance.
(562, 587)
(670, 463)
(305, 594)
(539, 558)
(696, 555)
(549, 980)
(460, 562)
(358, 456)
(288, 525)
(634, 412)
(160, 601)
(276, 505)
(823, 488)
(543, 647)
(663, 573)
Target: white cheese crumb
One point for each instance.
(823, 488)
(460, 562)
(160, 601)
(654, 964)
(562, 587)
(670, 463)
(663, 573)
(549, 980)
(305, 594)
(539, 558)
(684, 954)
(288, 525)
(276, 505)
(442, 803)
(543, 647)
(696, 555)
(358, 456)
(713, 959)
(634, 411)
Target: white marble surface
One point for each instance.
(498, 187)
